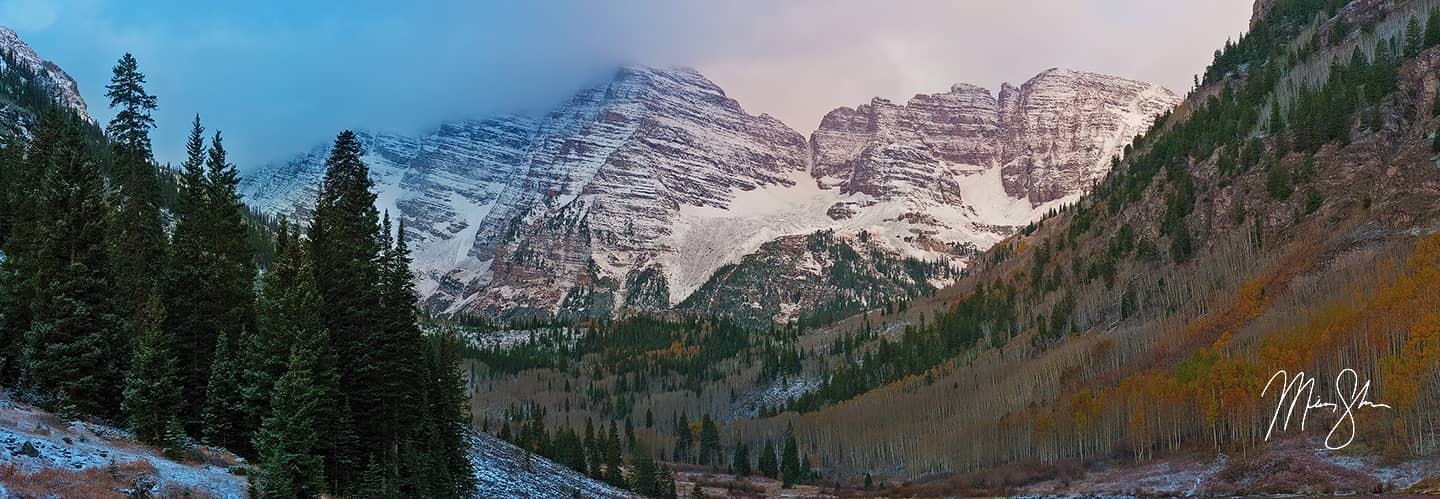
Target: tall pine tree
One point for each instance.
(137, 249)
(22, 221)
(76, 335)
(191, 314)
(344, 246)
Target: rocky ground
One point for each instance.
(44, 456)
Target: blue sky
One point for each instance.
(279, 77)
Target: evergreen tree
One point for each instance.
(345, 246)
(289, 439)
(1277, 124)
(448, 471)
(683, 438)
(741, 464)
(1432, 28)
(767, 464)
(614, 475)
(1435, 146)
(75, 334)
(645, 475)
(137, 247)
(223, 414)
(1414, 37)
(288, 308)
(790, 470)
(152, 392)
(709, 440)
(191, 314)
(21, 225)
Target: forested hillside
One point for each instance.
(130, 297)
(1283, 217)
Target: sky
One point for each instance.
(281, 77)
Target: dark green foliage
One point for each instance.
(709, 441)
(21, 226)
(210, 279)
(1278, 182)
(790, 469)
(446, 466)
(990, 310)
(1182, 246)
(1432, 28)
(288, 442)
(25, 91)
(1414, 37)
(345, 246)
(646, 476)
(767, 465)
(75, 335)
(137, 241)
(740, 464)
(152, 389)
(223, 415)
(1313, 200)
(1269, 37)
(1435, 144)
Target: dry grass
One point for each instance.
(118, 481)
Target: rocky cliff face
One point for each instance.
(29, 68)
(632, 194)
(1052, 137)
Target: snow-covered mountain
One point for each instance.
(633, 193)
(56, 82)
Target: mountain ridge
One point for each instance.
(659, 174)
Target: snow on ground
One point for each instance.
(39, 450)
(704, 238)
(506, 338)
(503, 470)
(776, 394)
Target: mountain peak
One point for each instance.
(63, 87)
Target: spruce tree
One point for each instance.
(1414, 37)
(22, 224)
(709, 441)
(767, 464)
(614, 475)
(449, 471)
(289, 439)
(344, 247)
(138, 243)
(645, 477)
(223, 414)
(191, 314)
(740, 466)
(152, 391)
(75, 335)
(395, 367)
(228, 235)
(1432, 28)
(790, 469)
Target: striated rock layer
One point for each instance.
(633, 193)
